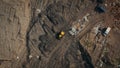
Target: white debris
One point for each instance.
(106, 5)
(86, 17)
(79, 52)
(101, 63)
(30, 56)
(79, 20)
(113, 4)
(38, 11)
(87, 14)
(118, 65)
(17, 57)
(37, 57)
(73, 31)
(96, 29)
(79, 25)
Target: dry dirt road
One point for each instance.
(28, 38)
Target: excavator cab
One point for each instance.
(60, 34)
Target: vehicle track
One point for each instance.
(64, 44)
(88, 27)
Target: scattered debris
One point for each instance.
(54, 17)
(79, 25)
(106, 5)
(17, 57)
(86, 17)
(30, 56)
(37, 57)
(37, 12)
(74, 30)
(118, 66)
(96, 29)
(101, 63)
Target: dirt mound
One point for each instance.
(28, 31)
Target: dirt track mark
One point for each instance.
(88, 27)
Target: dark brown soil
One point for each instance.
(28, 38)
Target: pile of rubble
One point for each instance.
(79, 25)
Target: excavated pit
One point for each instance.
(28, 30)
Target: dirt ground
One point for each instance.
(28, 30)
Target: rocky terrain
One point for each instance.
(28, 30)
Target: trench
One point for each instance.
(85, 56)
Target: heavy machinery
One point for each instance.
(60, 34)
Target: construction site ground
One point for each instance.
(28, 30)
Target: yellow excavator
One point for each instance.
(60, 34)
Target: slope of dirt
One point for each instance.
(28, 30)
(14, 20)
(105, 50)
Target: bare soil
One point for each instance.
(28, 37)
